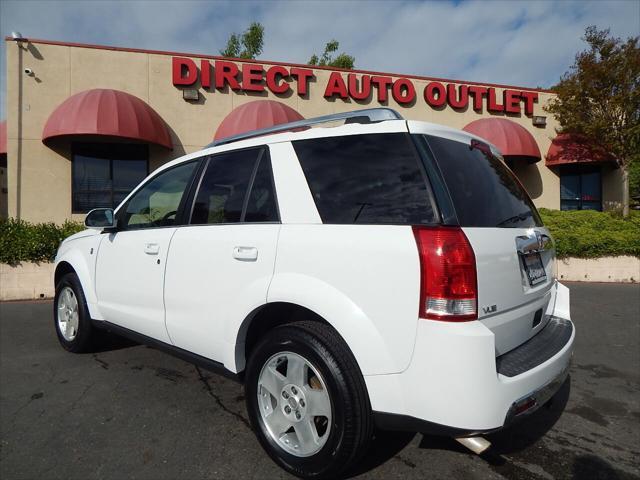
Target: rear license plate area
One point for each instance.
(534, 269)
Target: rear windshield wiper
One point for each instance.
(362, 207)
(516, 218)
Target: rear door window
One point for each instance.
(485, 193)
(236, 187)
(367, 179)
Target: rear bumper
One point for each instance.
(453, 386)
(536, 399)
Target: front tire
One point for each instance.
(71, 316)
(307, 400)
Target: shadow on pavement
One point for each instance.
(594, 468)
(384, 447)
(529, 430)
(110, 342)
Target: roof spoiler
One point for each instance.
(368, 115)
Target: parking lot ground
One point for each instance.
(130, 411)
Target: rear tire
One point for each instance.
(71, 316)
(307, 400)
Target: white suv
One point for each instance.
(381, 272)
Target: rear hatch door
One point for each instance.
(514, 252)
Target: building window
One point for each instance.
(580, 188)
(105, 173)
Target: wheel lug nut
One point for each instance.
(302, 403)
(293, 390)
(287, 409)
(298, 415)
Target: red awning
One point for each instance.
(255, 115)
(512, 139)
(571, 148)
(109, 113)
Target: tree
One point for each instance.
(341, 61)
(600, 97)
(247, 45)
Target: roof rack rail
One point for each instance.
(368, 115)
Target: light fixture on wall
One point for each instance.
(190, 94)
(539, 121)
(17, 36)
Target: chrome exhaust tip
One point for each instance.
(476, 444)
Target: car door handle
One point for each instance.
(245, 254)
(151, 248)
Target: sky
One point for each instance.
(524, 43)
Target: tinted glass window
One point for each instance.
(224, 185)
(156, 203)
(371, 179)
(261, 205)
(104, 174)
(580, 188)
(485, 193)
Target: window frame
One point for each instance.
(262, 154)
(120, 227)
(76, 146)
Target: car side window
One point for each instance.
(261, 204)
(236, 187)
(156, 204)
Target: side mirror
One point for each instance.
(100, 219)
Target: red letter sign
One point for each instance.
(303, 75)
(383, 83)
(336, 86)
(478, 93)
(403, 91)
(365, 87)
(530, 98)
(179, 65)
(252, 78)
(226, 73)
(275, 79)
(430, 94)
(463, 96)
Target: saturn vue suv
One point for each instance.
(370, 272)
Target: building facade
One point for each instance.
(86, 123)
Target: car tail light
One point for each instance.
(448, 283)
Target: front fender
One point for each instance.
(81, 256)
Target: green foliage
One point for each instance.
(247, 45)
(591, 234)
(600, 95)
(634, 179)
(341, 61)
(22, 241)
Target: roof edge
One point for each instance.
(270, 62)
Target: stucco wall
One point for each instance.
(44, 182)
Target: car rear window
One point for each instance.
(485, 193)
(366, 179)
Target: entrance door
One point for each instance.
(131, 262)
(220, 266)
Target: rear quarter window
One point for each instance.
(367, 179)
(484, 192)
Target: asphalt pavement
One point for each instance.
(130, 411)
